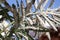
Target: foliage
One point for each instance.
(23, 20)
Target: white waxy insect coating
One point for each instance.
(3, 34)
(48, 35)
(28, 1)
(5, 23)
(36, 3)
(46, 25)
(31, 22)
(1, 27)
(0, 16)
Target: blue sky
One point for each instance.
(55, 5)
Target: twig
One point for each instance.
(50, 23)
(41, 21)
(18, 33)
(34, 28)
